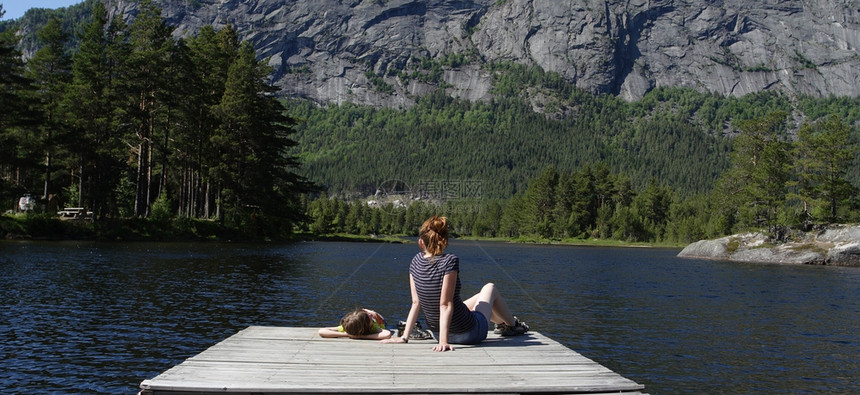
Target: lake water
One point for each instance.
(102, 317)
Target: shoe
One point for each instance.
(419, 333)
(502, 327)
(519, 328)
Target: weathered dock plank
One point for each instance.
(276, 360)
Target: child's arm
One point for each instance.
(332, 332)
(381, 335)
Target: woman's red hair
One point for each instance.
(434, 234)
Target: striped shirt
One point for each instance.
(428, 275)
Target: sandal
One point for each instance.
(418, 333)
(519, 328)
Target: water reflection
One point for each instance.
(94, 317)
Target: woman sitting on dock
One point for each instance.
(435, 286)
(359, 324)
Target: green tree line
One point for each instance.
(680, 137)
(772, 183)
(134, 118)
(775, 180)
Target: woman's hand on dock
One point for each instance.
(394, 340)
(443, 347)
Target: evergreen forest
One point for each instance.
(136, 125)
(545, 161)
(133, 123)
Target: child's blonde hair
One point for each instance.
(357, 323)
(434, 234)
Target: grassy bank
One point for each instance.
(47, 227)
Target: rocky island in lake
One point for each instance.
(833, 245)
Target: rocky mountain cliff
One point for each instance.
(381, 52)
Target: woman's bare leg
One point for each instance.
(491, 304)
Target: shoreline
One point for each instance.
(135, 231)
(578, 242)
(406, 239)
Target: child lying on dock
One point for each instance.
(359, 324)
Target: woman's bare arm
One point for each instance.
(411, 318)
(446, 310)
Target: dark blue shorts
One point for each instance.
(474, 336)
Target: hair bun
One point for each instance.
(439, 224)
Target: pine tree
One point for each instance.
(539, 204)
(50, 68)
(19, 116)
(651, 207)
(756, 182)
(91, 99)
(824, 153)
(583, 209)
(255, 171)
(145, 87)
(565, 198)
(210, 53)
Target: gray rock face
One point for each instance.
(837, 246)
(844, 255)
(712, 249)
(730, 47)
(840, 234)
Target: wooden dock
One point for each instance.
(278, 360)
